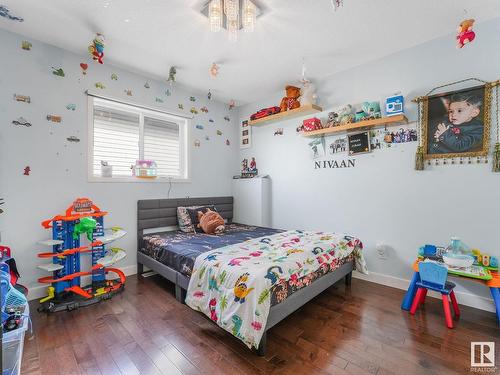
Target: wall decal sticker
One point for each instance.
(128, 92)
(21, 121)
(99, 85)
(227, 118)
(278, 131)
(167, 92)
(71, 107)
(158, 100)
(211, 120)
(54, 118)
(231, 104)
(73, 139)
(334, 164)
(5, 13)
(214, 70)
(84, 67)
(228, 143)
(146, 85)
(197, 143)
(204, 109)
(96, 49)
(25, 45)
(181, 106)
(192, 99)
(114, 77)
(200, 127)
(207, 138)
(58, 72)
(171, 75)
(27, 170)
(22, 98)
(219, 132)
(194, 110)
(1, 202)
(338, 145)
(209, 95)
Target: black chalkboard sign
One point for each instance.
(359, 143)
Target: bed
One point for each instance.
(172, 254)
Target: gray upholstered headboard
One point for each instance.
(157, 213)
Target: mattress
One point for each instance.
(178, 250)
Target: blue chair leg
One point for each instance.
(495, 293)
(410, 293)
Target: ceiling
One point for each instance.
(150, 37)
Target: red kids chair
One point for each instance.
(433, 277)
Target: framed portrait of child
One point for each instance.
(457, 123)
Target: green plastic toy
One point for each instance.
(85, 225)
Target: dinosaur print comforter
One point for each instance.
(233, 285)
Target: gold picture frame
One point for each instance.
(449, 133)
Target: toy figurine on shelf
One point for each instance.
(333, 120)
(96, 49)
(249, 171)
(65, 291)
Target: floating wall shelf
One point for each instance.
(281, 116)
(391, 120)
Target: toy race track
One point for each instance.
(66, 292)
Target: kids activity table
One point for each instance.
(493, 284)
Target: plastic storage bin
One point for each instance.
(12, 346)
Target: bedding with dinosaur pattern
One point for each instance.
(235, 285)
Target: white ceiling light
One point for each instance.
(232, 15)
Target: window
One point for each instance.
(120, 134)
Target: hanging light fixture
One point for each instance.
(232, 15)
(215, 15)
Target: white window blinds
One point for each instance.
(123, 134)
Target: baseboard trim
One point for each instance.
(466, 299)
(40, 291)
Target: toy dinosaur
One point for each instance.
(85, 225)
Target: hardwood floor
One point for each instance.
(346, 330)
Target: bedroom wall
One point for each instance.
(383, 200)
(56, 180)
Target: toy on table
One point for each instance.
(433, 276)
(249, 171)
(291, 100)
(66, 291)
(485, 260)
(96, 49)
(465, 33)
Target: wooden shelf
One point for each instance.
(390, 120)
(281, 116)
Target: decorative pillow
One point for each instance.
(184, 220)
(193, 214)
(211, 222)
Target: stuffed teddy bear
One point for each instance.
(465, 33)
(291, 101)
(211, 222)
(333, 120)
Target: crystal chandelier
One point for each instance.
(232, 15)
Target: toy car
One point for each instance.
(22, 121)
(265, 112)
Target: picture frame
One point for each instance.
(359, 143)
(245, 135)
(456, 124)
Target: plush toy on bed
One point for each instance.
(211, 222)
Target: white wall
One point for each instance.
(383, 199)
(56, 180)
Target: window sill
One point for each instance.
(158, 180)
